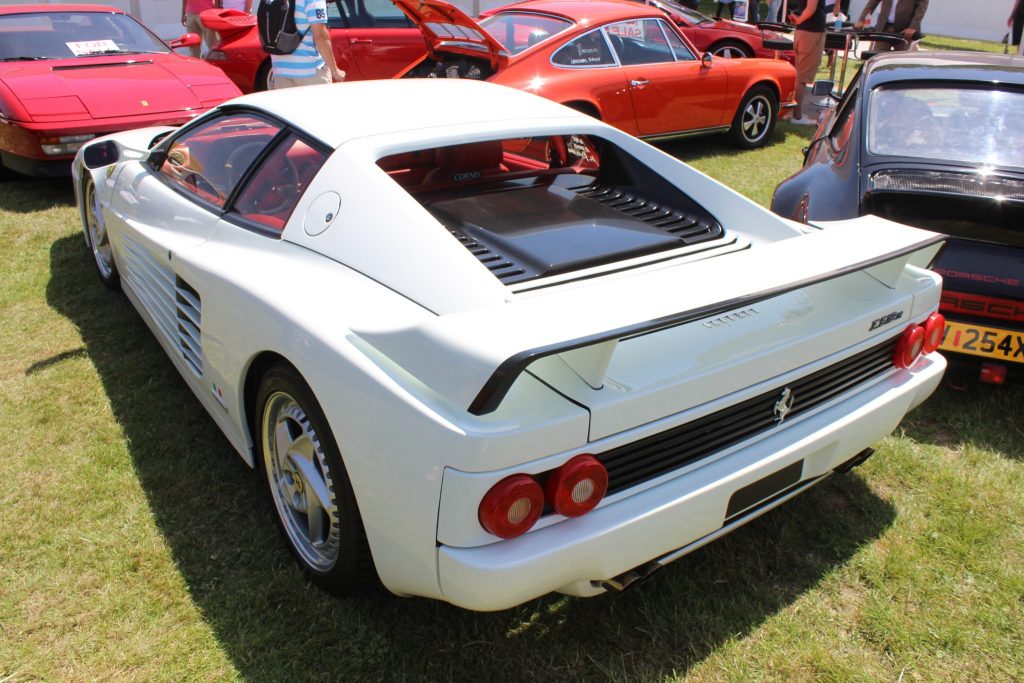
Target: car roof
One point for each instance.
(985, 67)
(340, 112)
(594, 11)
(51, 9)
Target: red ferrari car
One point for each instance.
(622, 62)
(725, 38)
(371, 39)
(69, 73)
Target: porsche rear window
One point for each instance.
(520, 30)
(65, 35)
(534, 207)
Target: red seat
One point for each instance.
(467, 163)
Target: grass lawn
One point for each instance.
(135, 545)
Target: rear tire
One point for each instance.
(755, 119)
(310, 489)
(264, 77)
(730, 49)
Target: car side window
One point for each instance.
(274, 189)
(682, 53)
(589, 50)
(639, 41)
(367, 14)
(208, 161)
(842, 127)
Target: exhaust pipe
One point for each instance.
(630, 578)
(854, 461)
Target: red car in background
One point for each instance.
(69, 73)
(371, 39)
(622, 62)
(723, 37)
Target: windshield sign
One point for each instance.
(966, 125)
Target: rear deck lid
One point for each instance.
(447, 29)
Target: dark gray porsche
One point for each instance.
(935, 140)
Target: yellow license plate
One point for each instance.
(989, 342)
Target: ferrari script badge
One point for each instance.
(784, 405)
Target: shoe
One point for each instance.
(803, 121)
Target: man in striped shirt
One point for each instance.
(312, 62)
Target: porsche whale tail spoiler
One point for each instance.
(476, 356)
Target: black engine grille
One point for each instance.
(688, 228)
(655, 455)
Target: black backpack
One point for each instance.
(275, 20)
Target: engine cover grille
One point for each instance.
(655, 455)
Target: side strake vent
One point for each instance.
(689, 229)
(189, 309)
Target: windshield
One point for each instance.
(61, 35)
(520, 30)
(969, 125)
(692, 16)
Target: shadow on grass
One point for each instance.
(30, 195)
(274, 625)
(984, 415)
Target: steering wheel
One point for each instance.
(274, 186)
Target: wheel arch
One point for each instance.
(258, 367)
(733, 40)
(584, 107)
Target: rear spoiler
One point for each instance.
(226, 21)
(452, 353)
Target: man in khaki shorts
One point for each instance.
(809, 45)
(312, 62)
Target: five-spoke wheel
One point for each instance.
(98, 237)
(755, 119)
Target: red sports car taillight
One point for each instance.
(512, 506)
(909, 347)
(577, 487)
(934, 328)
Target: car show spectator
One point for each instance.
(896, 16)
(240, 5)
(1016, 22)
(774, 7)
(722, 4)
(809, 44)
(312, 62)
(190, 10)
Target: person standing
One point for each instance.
(190, 10)
(774, 6)
(240, 5)
(721, 5)
(897, 16)
(1016, 22)
(312, 62)
(809, 44)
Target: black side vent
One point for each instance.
(688, 228)
(504, 269)
(189, 310)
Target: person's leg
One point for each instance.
(193, 25)
(322, 77)
(808, 47)
(718, 9)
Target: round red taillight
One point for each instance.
(512, 506)
(934, 329)
(909, 347)
(577, 487)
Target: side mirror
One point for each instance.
(187, 40)
(822, 88)
(100, 154)
(707, 60)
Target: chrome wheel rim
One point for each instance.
(98, 237)
(300, 482)
(756, 116)
(729, 52)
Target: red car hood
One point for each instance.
(447, 29)
(115, 86)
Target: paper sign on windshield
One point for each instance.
(91, 47)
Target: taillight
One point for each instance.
(512, 506)
(577, 487)
(909, 347)
(934, 328)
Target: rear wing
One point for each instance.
(474, 358)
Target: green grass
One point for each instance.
(135, 545)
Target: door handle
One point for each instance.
(353, 41)
(639, 82)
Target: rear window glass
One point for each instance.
(520, 30)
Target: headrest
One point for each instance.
(474, 155)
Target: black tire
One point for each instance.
(337, 557)
(97, 237)
(730, 49)
(585, 108)
(756, 118)
(263, 81)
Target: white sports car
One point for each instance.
(489, 347)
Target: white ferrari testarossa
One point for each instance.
(495, 346)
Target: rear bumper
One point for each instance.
(575, 555)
